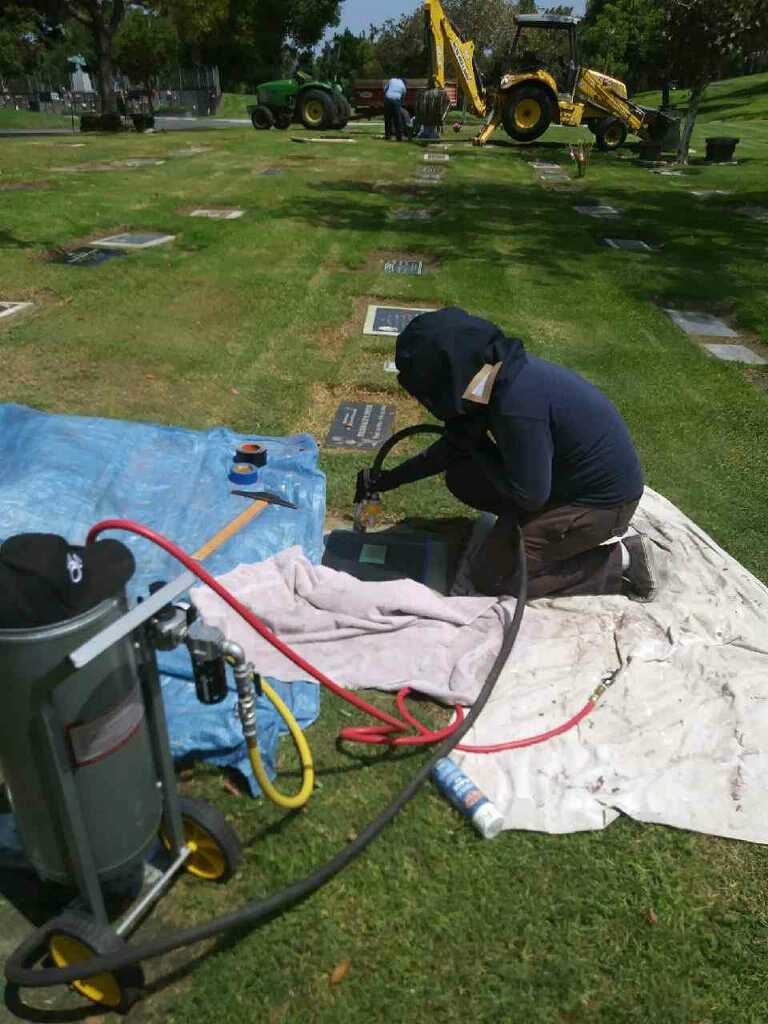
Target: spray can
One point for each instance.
(467, 798)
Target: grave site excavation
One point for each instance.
(383, 548)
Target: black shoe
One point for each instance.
(641, 577)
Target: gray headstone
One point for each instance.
(701, 324)
(361, 425)
(391, 320)
(628, 244)
(86, 257)
(436, 158)
(134, 240)
(602, 212)
(390, 366)
(8, 309)
(409, 267)
(736, 354)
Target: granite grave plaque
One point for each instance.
(701, 324)
(359, 425)
(390, 320)
(737, 354)
(410, 267)
(85, 256)
(8, 309)
(134, 240)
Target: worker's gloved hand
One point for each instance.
(366, 485)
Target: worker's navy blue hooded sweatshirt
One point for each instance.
(546, 436)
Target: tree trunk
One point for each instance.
(665, 95)
(106, 72)
(697, 92)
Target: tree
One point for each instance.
(626, 39)
(144, 46)
(348, 56)
(701, 38)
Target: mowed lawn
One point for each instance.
(257, 324)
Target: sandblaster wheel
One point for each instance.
(610, 133)
(216, 849)
(316, 110)
(528, 113)
(73, 939)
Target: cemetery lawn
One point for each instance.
(257, 324)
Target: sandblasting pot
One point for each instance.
(100, 739)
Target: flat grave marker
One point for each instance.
(217, 214)
(436, 158)
(707, 193)
(700, 324)
(8, 309)
(86, 256)
(759, 213)
(271, 172)
(391, 320)
(403, 213)
(134, 240)
(601, 212)
(737, 354)
(361, 425)
(629, 244)
(409, 267)
(352, 142)
(390, 366)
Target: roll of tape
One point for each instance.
(243, 473)
(252, 452)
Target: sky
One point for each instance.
(357, 15)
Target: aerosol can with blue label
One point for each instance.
(467, 798)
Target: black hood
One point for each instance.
(439, 353)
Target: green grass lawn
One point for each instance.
(30, 119)
(257, 324)
(234, 104)
(733, 99)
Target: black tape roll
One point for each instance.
(252, 452)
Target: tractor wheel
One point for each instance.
(343, 111)
(75, 939)
(610, 133)
(283, 119)
(262, 118)
(528, 113)
(316, 110)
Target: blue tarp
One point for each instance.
(61, 474)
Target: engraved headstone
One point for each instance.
(410, 267)
(363, 425)
(217, 214)
(390, 320)
(405, 213)
(628, 244)
(86, 256)
(602, 212)
(134, 240)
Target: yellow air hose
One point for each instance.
(308, 771)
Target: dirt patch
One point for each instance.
(325, 399)
(25, 186)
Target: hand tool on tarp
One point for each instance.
(261, 499)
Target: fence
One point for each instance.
(196, 89)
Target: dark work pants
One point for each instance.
(393, 119)
(562, 542)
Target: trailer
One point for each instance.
(368, 95)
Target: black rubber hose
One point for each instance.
(18, 973)
(389, 444)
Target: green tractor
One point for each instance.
(301, 100)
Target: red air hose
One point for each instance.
(371, 734)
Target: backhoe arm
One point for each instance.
(442, 37)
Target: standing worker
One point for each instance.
(394, 94)
(535, 444)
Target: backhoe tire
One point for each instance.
(610, 133)
(528, 113)
(343, 112)
(317, 110)
(262, 118)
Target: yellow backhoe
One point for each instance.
(540, 88)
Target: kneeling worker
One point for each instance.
(533, 443)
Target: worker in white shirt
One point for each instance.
(394, 94)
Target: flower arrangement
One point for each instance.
(580, 153)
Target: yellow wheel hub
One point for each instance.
(314, 111)
(206, 859)
(101, 988)
(527, 114)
